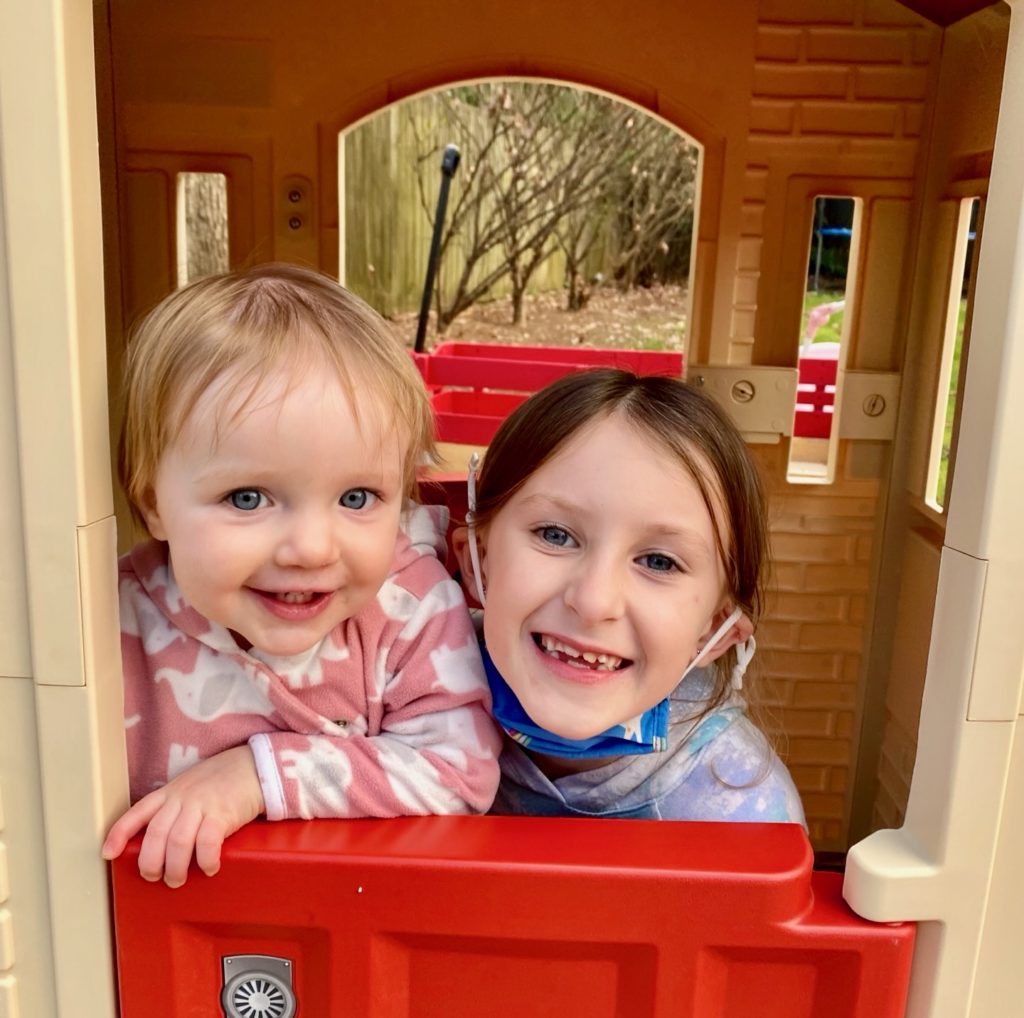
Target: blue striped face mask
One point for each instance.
(647, 733)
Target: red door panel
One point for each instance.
(501, 917)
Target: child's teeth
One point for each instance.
(296, 597)
(603, 661)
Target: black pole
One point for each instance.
(449, 164)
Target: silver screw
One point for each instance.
(743, 391)
(874, 405)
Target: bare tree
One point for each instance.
(654, 199)
(529, 158)
(557, 173)
(545, 167)
(472, 231)
(586, 227)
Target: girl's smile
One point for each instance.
(282, 513)
(583, 663)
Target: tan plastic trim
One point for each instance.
(759, 399)
(27, 982)
(15, 657)
(942, 864)
(50, 172)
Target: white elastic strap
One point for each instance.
(744, 653)
(715, 639)
(474, 554)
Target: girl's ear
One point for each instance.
(150, 513)
(740, 631)
(460, 546)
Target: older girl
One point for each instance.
(617, 541)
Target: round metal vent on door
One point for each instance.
(255, 989)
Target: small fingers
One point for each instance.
(208, 844)
(130, 823)
(154, 844)
(181, 840)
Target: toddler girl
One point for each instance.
(292, 645)
(616, 540)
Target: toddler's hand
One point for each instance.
(197, 810)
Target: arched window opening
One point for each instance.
(570, 220)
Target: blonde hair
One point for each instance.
(248, 324)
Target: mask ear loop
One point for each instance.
(715, 637)
(744, 654)
(474, 553)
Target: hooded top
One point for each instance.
(386, 716)
(719, 767)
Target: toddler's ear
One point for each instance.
(460, 546)
(151, 515)
(740, 631)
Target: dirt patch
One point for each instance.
(640, 319)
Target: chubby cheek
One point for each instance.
(208, 566)
(225, 554)
(369, 558)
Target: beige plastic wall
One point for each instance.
(790, 98)
(61, 758)
(59, 658)
(956, 862)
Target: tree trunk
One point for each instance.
(518, 311)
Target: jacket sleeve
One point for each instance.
(436, 749)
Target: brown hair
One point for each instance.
(677, 418)
(249, 323)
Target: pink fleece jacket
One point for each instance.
(387, 716)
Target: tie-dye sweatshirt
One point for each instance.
(718, 768)
(387, 716)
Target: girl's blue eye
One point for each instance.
(557, 536)
(658, 563)
(246, 499)
(357, 498)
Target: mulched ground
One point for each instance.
(644, 319)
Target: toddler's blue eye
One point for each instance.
(658, 563)
(246, 499)
(555, 535)
(357, 498)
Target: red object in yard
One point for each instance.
(507, 916)
(816, 396)
(472, 416)
(471, 383)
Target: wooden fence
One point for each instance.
(386, 229)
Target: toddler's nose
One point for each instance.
(310, 541)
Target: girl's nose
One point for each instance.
(596, 590)
(310, 540)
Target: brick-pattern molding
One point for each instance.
(840, 89)
(811, 639)
(830, 78)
